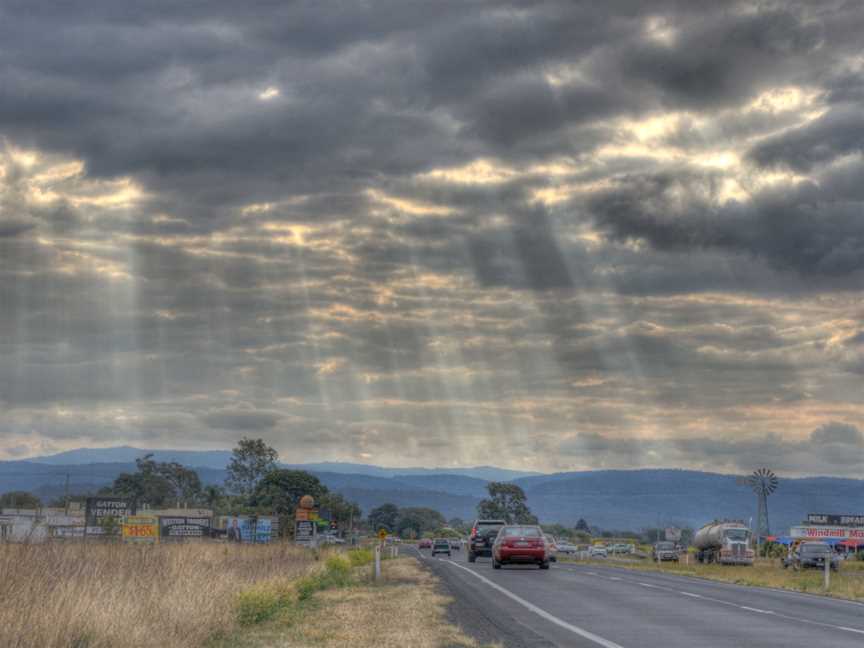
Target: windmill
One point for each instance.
(763, 482)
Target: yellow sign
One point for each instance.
(140, 528)
(382, 534)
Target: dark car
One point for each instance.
(441, 545)
(520, 544)
(664, 551)
(811, 555)
(483, 534)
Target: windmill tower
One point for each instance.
(763, 482)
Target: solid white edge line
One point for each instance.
(541, 612)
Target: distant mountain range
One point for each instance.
(220, 458)
(610, 499)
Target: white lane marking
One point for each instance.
(752, 609)
(851, 629)
(777, 615)
(615, 578)
(590, 636)
(649, 585)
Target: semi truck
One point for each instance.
(726, 542)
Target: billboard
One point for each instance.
(180, 528)
(140, 528)
(673, 534)
(304, 532)
(249, 528)
(836, 520)
(106, 513)
(827, 532)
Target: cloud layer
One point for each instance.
(547, 235)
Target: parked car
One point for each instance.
(811, 555)
(663, 551)
(425, 543)
(483, 533)
(551, 547)
(442, 546)
(567, 548)
(597, 551)
(520, 544)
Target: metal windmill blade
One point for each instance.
(763, 482)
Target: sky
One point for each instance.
(540, 235)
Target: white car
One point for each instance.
(597, 552)
(565, 547)
(551, 547)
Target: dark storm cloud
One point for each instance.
(217, 219)
(723, 60)
(840, 132)
(813, 229)
(241, 420)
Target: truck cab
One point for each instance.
(726, 543)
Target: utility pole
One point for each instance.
(66, 495)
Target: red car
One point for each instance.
(520, 544)
(425, 543)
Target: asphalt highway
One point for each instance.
(585, 605)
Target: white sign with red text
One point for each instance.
(826, 532)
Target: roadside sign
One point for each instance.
(382, 534)
(140, 528)
(304, 532)
(181, 528)
(101, 511)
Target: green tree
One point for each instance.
(19, 500)
(459, 524)
(280, 490)
(212, 496)
(582, 526)
(383, 517)
(184, 482)
(506, 502)
(341, 511)
(413, 522)
(146, 484)
(250, 461)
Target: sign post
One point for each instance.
(828, 573)
(376, 568)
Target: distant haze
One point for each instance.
(629, 500)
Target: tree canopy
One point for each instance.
(413, 522)
(384, 517)
(250, 461)
(280, 490)
(159, 483)
(507, 502)
(19, 499)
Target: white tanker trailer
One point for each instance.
(724, 541)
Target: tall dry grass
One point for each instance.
(113, 595)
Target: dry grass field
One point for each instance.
(114, 595)
(406, 609)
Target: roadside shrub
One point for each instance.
(360, 557)
(338, 571)
(261, 603)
